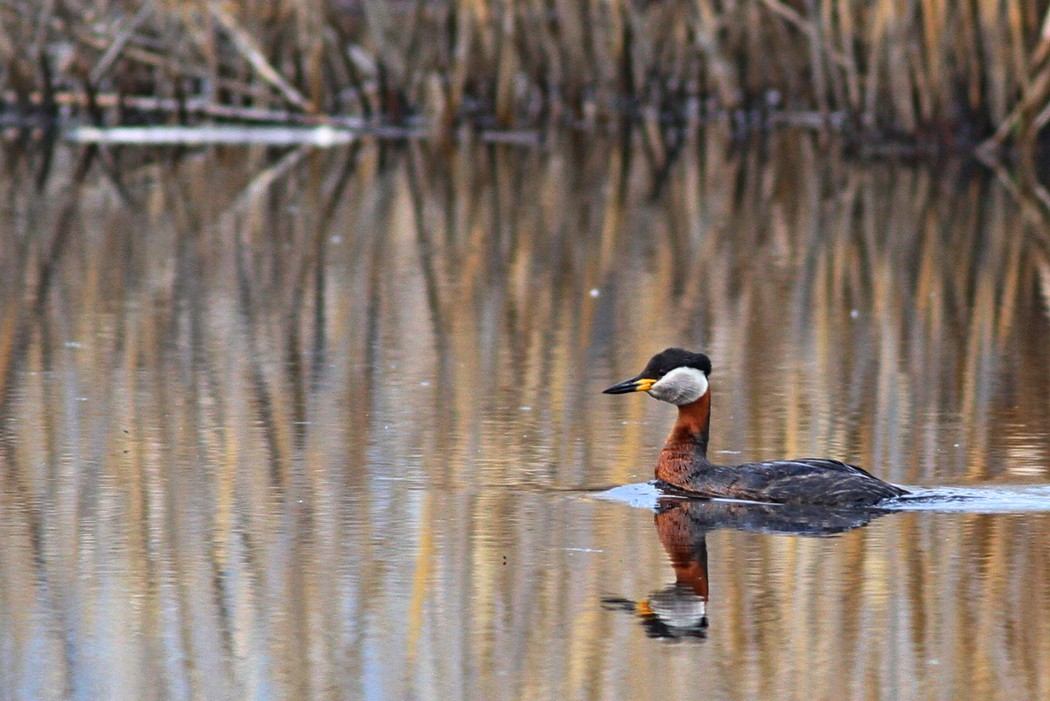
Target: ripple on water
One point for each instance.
(977, 500)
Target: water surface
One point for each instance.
(292, 423)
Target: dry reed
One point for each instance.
(937, 73)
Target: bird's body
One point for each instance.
(680, 377)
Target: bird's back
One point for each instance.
(801, 481)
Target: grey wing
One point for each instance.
(834, 465)
(814, 481)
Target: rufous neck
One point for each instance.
(691, 429)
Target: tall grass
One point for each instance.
(934, 71)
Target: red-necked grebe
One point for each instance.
(679, 377)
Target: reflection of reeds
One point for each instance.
(194, 498)
(942, 71)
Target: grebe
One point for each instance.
(679, 377)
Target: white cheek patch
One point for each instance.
(680, 386)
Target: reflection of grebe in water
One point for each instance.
(679, 610)
(680, 377)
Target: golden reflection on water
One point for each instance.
(315, 424)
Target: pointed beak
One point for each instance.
(635, 384)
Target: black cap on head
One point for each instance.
(667, 360)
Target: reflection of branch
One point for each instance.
(11, 477)
(246, 200)
(313, 260)
(426, 254)
(246, 307)
(327, 217)
(1042, 268)
(23, 334)
(427, 258)
(1030, 194)
(264, 179)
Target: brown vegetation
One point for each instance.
(928, 71)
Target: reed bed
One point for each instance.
(934, 72)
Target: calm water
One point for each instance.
(296, 424)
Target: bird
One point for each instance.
(680, 377)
